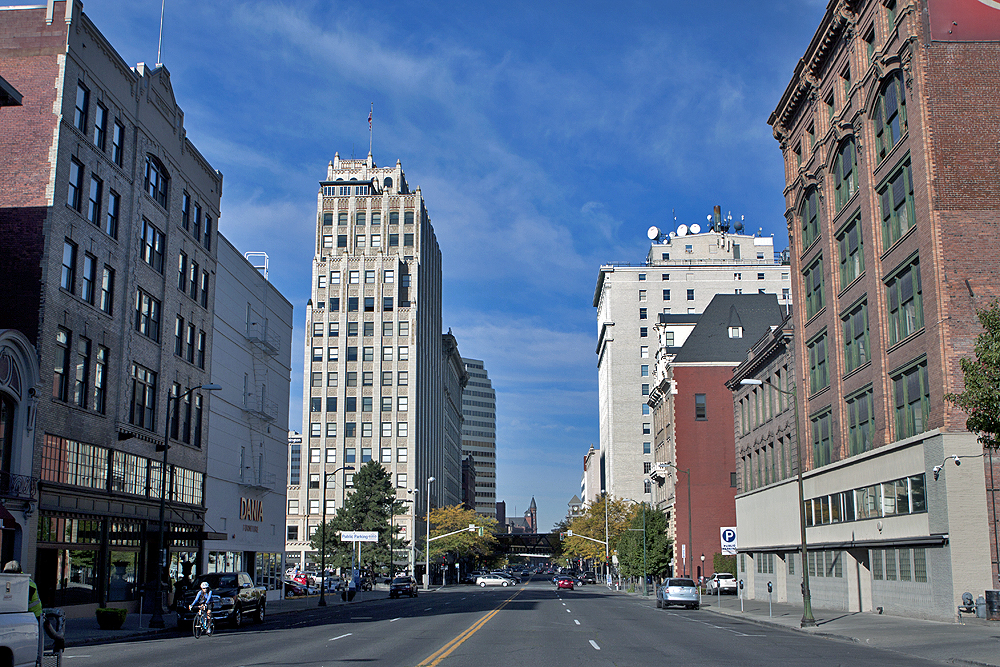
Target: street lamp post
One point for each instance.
(607, 553)
(157, 620)
(413, 536)
(690, 535)
(807, 613)
(322, 552)
(427, 544)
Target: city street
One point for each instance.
(469, 626)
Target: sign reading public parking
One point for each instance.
(728, 541)
(358, 536)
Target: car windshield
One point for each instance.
(400, 580)
(217, 580)
(680, 582)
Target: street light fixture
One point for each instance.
(322, 557)
(807, 613)
(690, 535)
(427, 544)
(157, 620)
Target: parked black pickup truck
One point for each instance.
(237, 599)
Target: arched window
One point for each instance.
(387, 183)
(845, 174)
(890, 115)
(810, 218)
(157, 180)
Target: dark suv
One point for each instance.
(589, 578)
(403, 586)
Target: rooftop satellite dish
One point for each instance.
(672, 235)
(653, 233)
(682, 230)
(738, 226)
(695, 228)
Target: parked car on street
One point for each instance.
(681, 592)
(293, 589)
(403, 586)
(722, 582)
(238, 599)
(493, 579)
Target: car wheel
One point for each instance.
(659, 603)
(504, 584)
(482, 584)
(260, 612)
(237, 617)
(415, 593)
(697, 606)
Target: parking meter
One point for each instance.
(769, 589)
(741, 596)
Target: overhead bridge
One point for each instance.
(527, 544)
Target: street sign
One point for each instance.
(358, 536)
(728, 536)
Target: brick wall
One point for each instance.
(21, 249)
(706, 448)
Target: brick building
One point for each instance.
(107, 257)
(693, 419)
(888, 132)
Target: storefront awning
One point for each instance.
(7, 520)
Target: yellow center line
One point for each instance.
(442, 653)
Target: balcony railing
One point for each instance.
(21, 487)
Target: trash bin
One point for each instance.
(980, 607)
(993, 605)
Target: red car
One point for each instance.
(565, 583)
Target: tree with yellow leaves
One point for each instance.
(591, 524)
(466, 544)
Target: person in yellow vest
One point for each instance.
(34, 602)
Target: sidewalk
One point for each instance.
(83, 631)
(977, 642)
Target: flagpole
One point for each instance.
(370, 128)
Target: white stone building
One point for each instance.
(479, 434)
(245, 480)
(374, 366)
(681, 275)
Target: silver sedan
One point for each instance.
(681, 592)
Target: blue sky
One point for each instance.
(546, 138)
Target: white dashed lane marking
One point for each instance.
(340, 637)
(594, 644)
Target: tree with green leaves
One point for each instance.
(981, 398)
(659, 548)
(591, 524)
(467, 545)
(370, 507)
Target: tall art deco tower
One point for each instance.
(373, 351)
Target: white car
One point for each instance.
(485, 580)
(722, 582)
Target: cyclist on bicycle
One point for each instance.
(203, 600)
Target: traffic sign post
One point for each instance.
(728, 538)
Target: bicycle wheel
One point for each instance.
(197, 626)
(211, 627)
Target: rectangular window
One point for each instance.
(94, 200)
(856, 343)
(152, 245)
(860, 421)
(204, 289)
(822, 446)
(700, 409)
(341, 241)
(912, 400)
(118, 143)
(182, 271)
(644, 370)
(111, 222)
(645, 389)
(643, 332)
(179, 330)
(387, 353)
(366, 403)
(404, 328)
(82, 105)
(852, 260)
(819, 376)
(201, 349)
(81, 384)
(107, 289)
(402, 403)
(810, 218)
(402, 428)
(366, 432)
(352, 304)
(644, 351)
(642, 295)
(100, 125)
(646, 447)
(89, 278)
(896, 198)
(906, 314)
(690, 295)
(60, 374)
(403, 378)
(101, 380)
(387, 304)
(196, 222)
(408, 240)
(814, 279)
(143, 404)
(156, 181)
(845, 174)
(147, 315)
(386, 378)
(74, 195)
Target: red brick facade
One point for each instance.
(705, 446)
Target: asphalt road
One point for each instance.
(530, 624)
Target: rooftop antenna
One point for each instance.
(370, 128)
(159, 42)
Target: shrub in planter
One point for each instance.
(110, 618)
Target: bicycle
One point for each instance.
(203, 623)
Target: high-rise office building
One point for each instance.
(479, 434)
(682, 273)
(374, 361)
